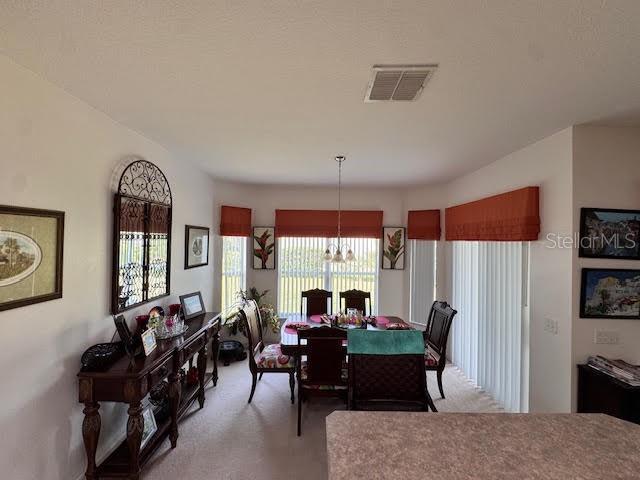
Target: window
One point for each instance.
(234, 269)
(301, 267)
(490, 292)
(422, 274)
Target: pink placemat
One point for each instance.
(316, 318)
(291, 330)
(382, 320)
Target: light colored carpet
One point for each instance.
(230, 439)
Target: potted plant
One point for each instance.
(270, 321)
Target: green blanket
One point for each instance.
(384, 342)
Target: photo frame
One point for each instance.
(192, 305)
(149, 343)
(125, 335)
(196, 246)
(393, 248)
(31, 248)
(609, 233)
(264, 248)
(150, 426)
(610, 293)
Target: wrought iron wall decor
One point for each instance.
(141, 237)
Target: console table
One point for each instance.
(129, 382)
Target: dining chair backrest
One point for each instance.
(394, 380)
(436, 333)
(325, 354)
(252, 325)
(316, 301)
(356, 299)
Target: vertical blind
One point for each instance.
(234, 270)
(490, 284)
(422, 274)
(301, 267)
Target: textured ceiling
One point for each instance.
(270, 91)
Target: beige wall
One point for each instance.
(606, 172)
(59, 153)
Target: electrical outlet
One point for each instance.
(606, 337)
(551, 325)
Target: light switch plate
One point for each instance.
(606, 337)
(551, 325)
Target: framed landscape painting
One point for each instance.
(610, 293)
(31, 245)
(610, 233)
(393, 248)
(264, 248)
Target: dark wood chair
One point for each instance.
(324, 373)
(436, 335)
(388, 382)
(355, 299)
(264, 359)
(316, 301)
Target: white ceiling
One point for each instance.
(270, 91)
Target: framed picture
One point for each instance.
(31, 246)
(150, 426)
(610, 293)
(149, 341)
(609, 233)
(393, 248)
(264, 248)
(192, 305)
(125, 335)
(196, 246)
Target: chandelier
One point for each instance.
(336, 256)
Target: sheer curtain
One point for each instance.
(490, 292)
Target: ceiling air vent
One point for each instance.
(399, 83)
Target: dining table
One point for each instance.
(289, 336)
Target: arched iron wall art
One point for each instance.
(141, 237)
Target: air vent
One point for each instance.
(398, 83)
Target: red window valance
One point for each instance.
(511, 216)
(235, 221)
(324, 223)
(423, 225)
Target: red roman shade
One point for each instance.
(423, 225)
(235, 221)
(324, 223)
(511, 216)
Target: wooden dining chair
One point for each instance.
(394, 380)
(436, 335)
(324, 372)
(264, 359)
(355, 299)
(316, 302)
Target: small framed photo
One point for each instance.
(150, 426)
(609, 233)
(125, 335)
(610, 293)
(264, 248)
(192, 305)
(31, 246)
(149, 341)
(196, 246)
(393, 248)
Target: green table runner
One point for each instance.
(385, 342)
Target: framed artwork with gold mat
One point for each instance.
(31, 246)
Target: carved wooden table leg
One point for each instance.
(135, 427)
(175, 392)
(90, 434)
(215, 348)
(202, 369)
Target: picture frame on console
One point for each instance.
(609, 233)
(192, 305)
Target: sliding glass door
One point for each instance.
(490, 292)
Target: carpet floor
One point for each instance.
(230, 439)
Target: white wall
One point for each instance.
(606, 172)
(59, 153)
(546, 163)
